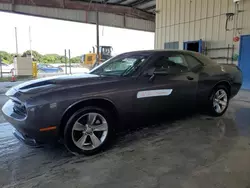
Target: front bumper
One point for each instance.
(25, 139)
(27, 127)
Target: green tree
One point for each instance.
(52, 58)
(62, 59)
(37, 56)
(6, 57)
(75, 59)
(47, 58)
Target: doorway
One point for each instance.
(195, 46)
(244, 60)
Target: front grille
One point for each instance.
(19, 108)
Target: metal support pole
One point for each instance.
(228, 48)
(16, 41)
(65, 56)
(232, 58)
(1, 67)
(69, 63)
(97, 38)
(30, 40)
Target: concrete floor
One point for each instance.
(197, 151)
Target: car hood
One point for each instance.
(60, 82)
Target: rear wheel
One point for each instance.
(219, 101)
(89, 131)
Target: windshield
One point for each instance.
(120, 65)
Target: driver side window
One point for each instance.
(172, 64)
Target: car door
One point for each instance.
(170, 87)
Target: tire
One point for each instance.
(88, 144)
(213, 101)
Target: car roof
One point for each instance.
(204, 59)
(158, 51)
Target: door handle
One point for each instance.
(190, 78)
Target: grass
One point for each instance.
(5, 79)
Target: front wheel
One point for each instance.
(219, 101)
(89, 131)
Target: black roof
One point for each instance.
(202, 58)
(163, 50)
(144, 5)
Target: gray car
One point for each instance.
(86, 110)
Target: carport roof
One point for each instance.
(144, 5)
(139, 9)
(147, 6)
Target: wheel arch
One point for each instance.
(98, 102)
(225, 83)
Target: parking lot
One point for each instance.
(190, 152)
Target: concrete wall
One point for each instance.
(23, 66)
(187, 20)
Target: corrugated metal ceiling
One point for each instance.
(144, 5)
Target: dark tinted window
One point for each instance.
(173, 63)
(192, 62)
(171, 45)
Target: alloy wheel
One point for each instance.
(89, 131)
(220, 101)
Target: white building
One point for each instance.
(207, 26)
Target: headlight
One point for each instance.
(19, 107)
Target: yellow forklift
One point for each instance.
(90, 60)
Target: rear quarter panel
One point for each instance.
(236, 76)
(209, 77)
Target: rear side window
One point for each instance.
(178, 60)
(173, 63)
(192, 62)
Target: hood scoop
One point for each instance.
(37, 84)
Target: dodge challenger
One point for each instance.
(85, 111)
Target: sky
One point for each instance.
(51, 36)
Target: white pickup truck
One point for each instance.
(6, 68)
